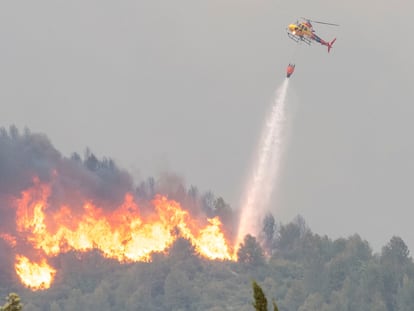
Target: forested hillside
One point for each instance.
(302, 271)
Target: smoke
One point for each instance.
(26, 156)
(265, 169)
(32, 170)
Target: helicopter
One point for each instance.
(302, 31)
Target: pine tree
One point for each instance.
(260, 301)
(13, 303)
(275, 308)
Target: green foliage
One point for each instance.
(310, 273)
(181, 249)
(13, 303)
(275, 308)
(394, 263)
(260, 301)
(269, 231)
(395, 252)
(405, 295)
(250, 252)
(289, 241)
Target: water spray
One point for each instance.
(265, 168)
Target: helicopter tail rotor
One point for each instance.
(330, 44)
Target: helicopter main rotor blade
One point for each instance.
(318, 22)
(325, 23)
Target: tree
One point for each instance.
(223, 210)
(275, 308)
(181, 249)
(396, 251)
(289, 242)
(295, 295)
(207, 203)
(250, 251)
(76, 157)
(405, 295)
(91, 162)
(13, 303)
(269, 228)
(260, 301)
(179, 292)
(394, 263)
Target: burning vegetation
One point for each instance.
(57, 205)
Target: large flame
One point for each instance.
(123, 234)
(34, 275)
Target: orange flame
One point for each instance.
(34, 275)
(11, 240)
(122, 234)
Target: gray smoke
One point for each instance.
(75, 180)
(25, 156)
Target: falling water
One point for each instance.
(265, 168)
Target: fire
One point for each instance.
(124, 233)
(211, 242)
(11, 240)
(34, 275)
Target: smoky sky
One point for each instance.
(26, 157)
(185, 85)
(28, 160)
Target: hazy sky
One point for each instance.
(184, 85)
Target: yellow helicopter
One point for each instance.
(303, 31)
